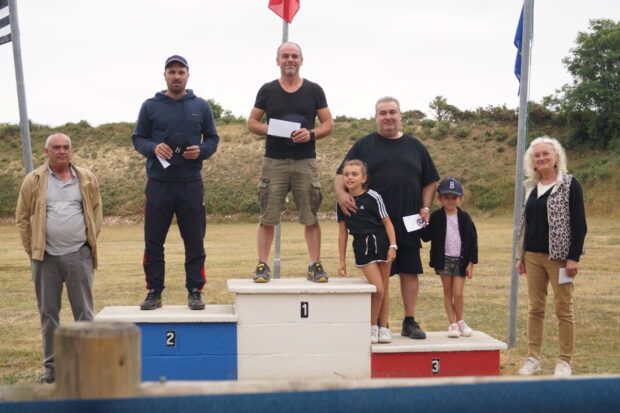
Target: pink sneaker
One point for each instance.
(464, 329)
(453, 330)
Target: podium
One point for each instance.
(437, 356)
(181, 344)
(294, 329)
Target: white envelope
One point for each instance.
(563, 278)
(282, 128)
(413, 222)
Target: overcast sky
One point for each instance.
(98, 60)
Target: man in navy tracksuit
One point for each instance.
(175, 131)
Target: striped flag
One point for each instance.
(5, 22)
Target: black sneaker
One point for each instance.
(152, 300)
(262, 273)
(316, 273)
(412, 329)
(194, 302)
(49, 376)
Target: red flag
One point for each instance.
(286, 9)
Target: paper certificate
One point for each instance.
(563, 278)
(163, 162)
(413, 222)
(282, 128)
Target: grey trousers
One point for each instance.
(75, 270)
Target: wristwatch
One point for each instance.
(312, 135)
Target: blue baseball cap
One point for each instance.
(178, 59)
(450, 186)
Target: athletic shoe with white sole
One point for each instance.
(530, 366)
(464, 329)
(385, 335)
(562, 369)
(453, 330)
(374, 334)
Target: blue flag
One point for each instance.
(518, 42)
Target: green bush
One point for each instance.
(9, 131)
(595, 169)
(9, 191)
(427, 123)
(513, 141)
(501, 134)
(463, 132)
(485, 197)
(441, 130)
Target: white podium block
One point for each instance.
(293, 328)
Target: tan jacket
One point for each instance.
(32, 210)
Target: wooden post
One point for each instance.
(97, 360)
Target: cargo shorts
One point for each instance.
(281, 176)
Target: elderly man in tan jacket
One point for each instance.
(59, 216)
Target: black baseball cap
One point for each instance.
(178, 59)
(450, 186)
(178, 143)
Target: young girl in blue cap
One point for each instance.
(454, 251)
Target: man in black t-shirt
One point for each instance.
(401, 170)
(290, 164)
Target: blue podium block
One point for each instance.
(181, 344)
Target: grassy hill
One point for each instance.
(480, 153)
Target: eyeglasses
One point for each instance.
(542, 155)
(59, 147)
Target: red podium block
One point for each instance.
(437, 356)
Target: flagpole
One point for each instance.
(528, 20)
(284, 31)
(21, 94)
(277, 260)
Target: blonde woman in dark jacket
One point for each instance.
(553, 230)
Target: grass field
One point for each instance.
(231, 254)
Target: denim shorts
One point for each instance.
(451, 267)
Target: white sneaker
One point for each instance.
(374, 334)
(453, 330)
(562, 369)
(464, 329)
(385, 335)
(530, 366)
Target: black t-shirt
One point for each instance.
(398, 169)
(299, 106)
(367, 219)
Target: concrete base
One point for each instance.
(437, 356)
